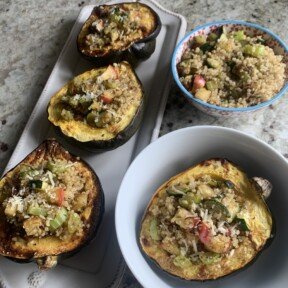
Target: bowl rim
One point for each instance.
(121, 191)
(190, 96)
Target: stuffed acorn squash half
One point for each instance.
(101, 109)
(207, 222)
(51, 204)
(125, 31)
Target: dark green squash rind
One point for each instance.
(136, 52)
(98, 205)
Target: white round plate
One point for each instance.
(176, 152)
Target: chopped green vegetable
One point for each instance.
(60, 218)
(215, 183)
(206, 47)
(254, 50)
(118, 16)
(27, 171)
(260, 49)
(213, 63)
(181, 261)
(211, 85)
(35, 184)
(239, 35)
(223, 37)
(200, 39)
(55, 168)
(216, 207)
(104, 118)
(241, 224)
(154, 233)
(187, 200)
(36, 210)
(209, 257)
(177, 190)
(91, 118)
(212, 37)
(74, 222)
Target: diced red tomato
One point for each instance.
(106, 98)
(199, 82)
(61, 195)
(204, 233)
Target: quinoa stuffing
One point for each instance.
(101, 100)
(231, 69)
(197, 221)
(207, 222)
(115, 26)
(46, 199)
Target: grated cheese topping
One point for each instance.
(35, 204)
(197, 219)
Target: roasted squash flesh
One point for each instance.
(50, 204)
(206, 222)
(99, 104)
(116, 28)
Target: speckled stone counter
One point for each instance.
(33, 33)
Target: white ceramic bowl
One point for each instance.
(172, 154)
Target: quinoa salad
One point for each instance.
(197, 221)
(231, 69)
(46, 199)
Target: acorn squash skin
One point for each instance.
(149, 254)
(52, 147)
(134, 52)
(108, 144)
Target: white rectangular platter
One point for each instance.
(100, 264)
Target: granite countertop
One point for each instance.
(33, 33)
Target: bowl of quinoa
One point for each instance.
(231, 67)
